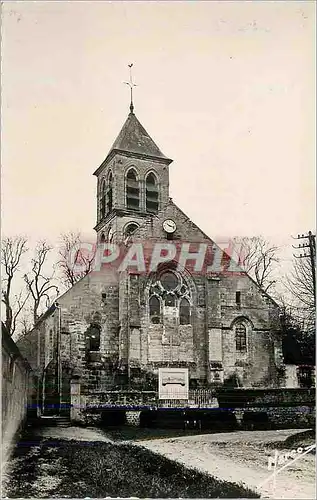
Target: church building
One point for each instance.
(176, 325)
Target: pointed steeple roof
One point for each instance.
(134, 140)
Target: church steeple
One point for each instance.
(133, 180)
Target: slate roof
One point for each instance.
(135, 139)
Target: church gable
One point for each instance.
(185, 229)
(239, 290)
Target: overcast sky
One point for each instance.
(226, 89)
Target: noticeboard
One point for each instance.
(173, 383)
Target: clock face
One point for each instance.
(169, 226)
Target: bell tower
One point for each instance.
(132, 181)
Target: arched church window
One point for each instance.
(173, 291)
(241, 336)
(102, 238)
(184, 311)
(109, 192)
(130, 228)
(132, 191)
(103, 195)
(155, 309)
(151, 193)
(93, 337)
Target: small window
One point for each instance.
(241, 337)
(93, 338)
(155, 310)
(238, 299)
(130, 228)
(184, 311)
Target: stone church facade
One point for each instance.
(119, 325)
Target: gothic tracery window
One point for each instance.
(132, 190)
(151, 193)
(241, 336)
(169, 290)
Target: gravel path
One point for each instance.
(242, 457)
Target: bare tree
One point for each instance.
(40, 286)
(300, 284)
(12, 250)
(25, 324)
(74, 262)
(258, 258)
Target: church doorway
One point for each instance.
(50, 396)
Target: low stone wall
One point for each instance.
(299, 417)
(245, 398)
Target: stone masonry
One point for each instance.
(105, 334)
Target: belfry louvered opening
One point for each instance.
(151, 194)
(132, 190)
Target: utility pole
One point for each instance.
(311, 244)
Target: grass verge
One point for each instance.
(305, 438)
(98, 469)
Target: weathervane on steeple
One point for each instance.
(131, 85)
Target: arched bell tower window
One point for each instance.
(241, 336)
(151, 193)
(109, 192)
(103, 196)
(132, 191)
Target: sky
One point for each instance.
(225, 89)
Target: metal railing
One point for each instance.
(197, 398)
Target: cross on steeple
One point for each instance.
(131, 85)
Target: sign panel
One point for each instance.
(173, 383)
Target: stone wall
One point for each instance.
(17, 389)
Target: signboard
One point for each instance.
(173, 383)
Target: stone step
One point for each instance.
(63, 422)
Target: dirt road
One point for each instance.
(242, 457)
(239, 457)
